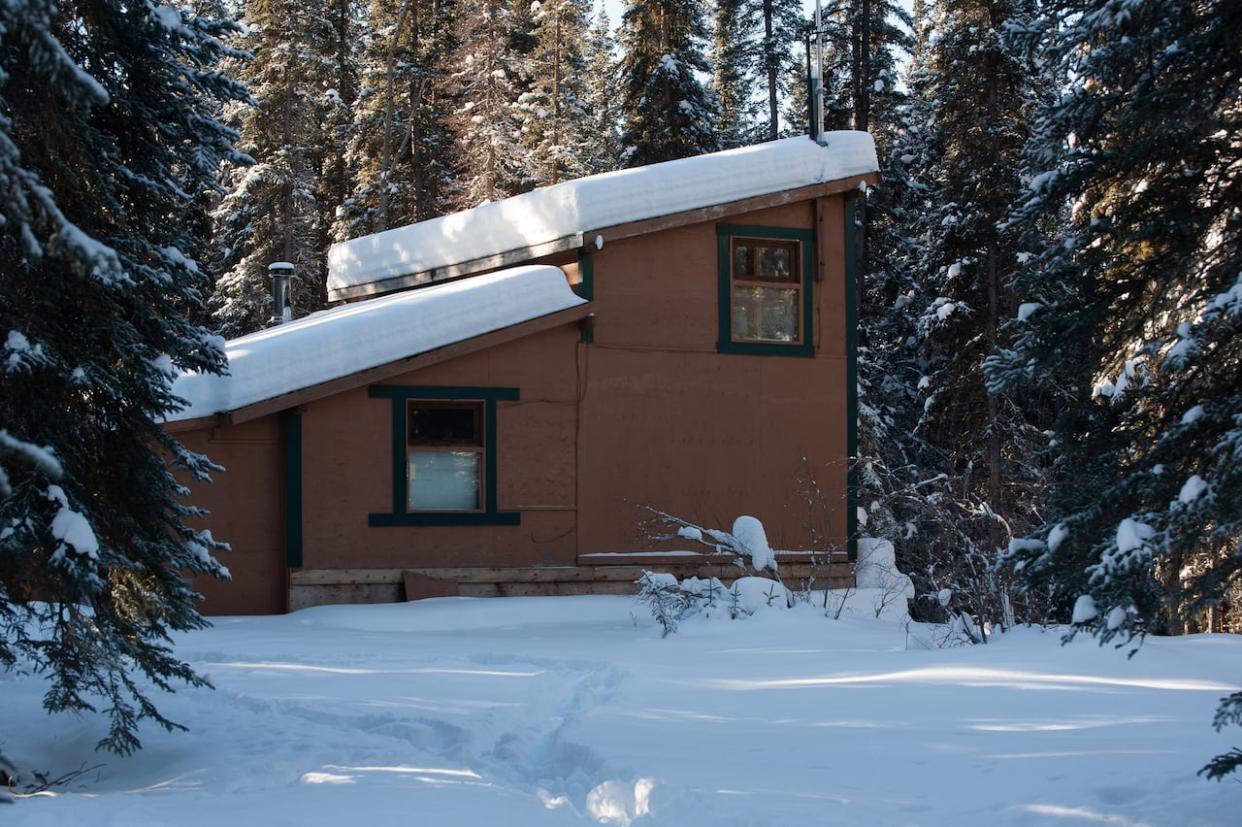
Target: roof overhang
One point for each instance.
(589, 238)
(382, 372)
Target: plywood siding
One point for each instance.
(246, 502)
(347, 462)
(669, 422)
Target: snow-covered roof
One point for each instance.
(354, 337)
(574, 207)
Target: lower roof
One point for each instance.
(353, 338)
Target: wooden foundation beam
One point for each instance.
(313, 587)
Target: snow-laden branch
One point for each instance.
(746, 543)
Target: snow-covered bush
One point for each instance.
(670, 601)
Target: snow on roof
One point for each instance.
(598, 201)
(354, 337)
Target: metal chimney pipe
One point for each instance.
(282, 306)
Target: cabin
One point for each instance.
(496, 394)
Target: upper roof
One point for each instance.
(352, 338)
(574, 209)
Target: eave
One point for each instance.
(616, 232)
(379, 373)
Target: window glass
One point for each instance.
(765, 314)
(741, 261)
(444, 480)
(444, 460)
(776, 262)
(452, 424)
(766, 291)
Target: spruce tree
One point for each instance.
(777, 60)
(795, 109)
(975, 95)
(980, 94)
(1135, 314)
(887, 274)
(336, 176)
(894, 457)
(400, 146)
(861, 41)
(108, 142)
(733, 61)
(603, 140)
(555, 123)
(667, 113)
(272, 211)
(494, 163)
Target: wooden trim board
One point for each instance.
(717, 212)
(451, 271)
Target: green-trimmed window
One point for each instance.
(766, 306)
(445, 447)
(443, 456)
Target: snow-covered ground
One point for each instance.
(574, 710)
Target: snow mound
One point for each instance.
(620, 802)
(354, 337)
(753, 594)
(596, 202)
(876, 567)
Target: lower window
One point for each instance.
(444, 456)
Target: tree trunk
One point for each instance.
(287, 187)
(417, 87)
(862, 103)
(556, 100)
(770, 60)
(995, 492)
(995, 488)
(381, 218)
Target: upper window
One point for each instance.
(767, 287)
(765, 292)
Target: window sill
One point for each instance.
(766, 349)
(444, 518)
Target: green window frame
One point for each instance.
(725, 236)
(291, 433)
(852, 229)
(401, 396)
